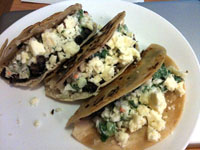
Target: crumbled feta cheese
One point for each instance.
(180, 89)
(115, 117)
(125, 45)
(122, 138)
(69, 34)
(81, 82)
(136, 123)
(87, 22)
(60, 28)
(50, 39)
(108, 73)
(70, 22)
(18, 57)
(123, 41)
(95, 64)
(157, 81)
(96, 79)
(110, 60)
(105, 113)
(53, 59)
(61, 56)
(143, 110)
(157, 101)
(152, 134)
(24, 57)
(36, 123)
(155, 120)
(170, 83)
(36, 47)
(52, 62)
(34, 101)
(71, 48)
(144, 98)
(127, 57)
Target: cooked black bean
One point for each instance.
(38, 68)
(79, 39)
(90, 87)
(85, 32)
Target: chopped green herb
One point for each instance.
(177, 78)
(54, 48)
(104, 137)
(102, 54)
(132, 104)
(80, 15)
(119, 29)
(125, 27)
(146, 88)
(106, 129)
(62, 31)
(74, 85)
(162, 73)
(160, 86)
(124, 118)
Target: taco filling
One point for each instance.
(143, 106)
(103, 66)
(43, 52)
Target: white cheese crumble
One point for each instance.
(34, 101)
(37, 123)
(24, 57)
(170, 83)
(95, 65)
(152, 134)
(122, 138)
(70, 48)
(136, 123)
(155, 120)
(180, 89)
(157, 101)
(36, 47)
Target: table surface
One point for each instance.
(165, 9)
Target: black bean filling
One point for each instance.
(90, 87)
(38, 68)
(84, 34)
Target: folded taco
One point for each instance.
(104, 58)
(138, 109)
(42, 47)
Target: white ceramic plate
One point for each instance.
(17, 116)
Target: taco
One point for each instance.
(138, 109)
(42, 47)
(103, 58)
